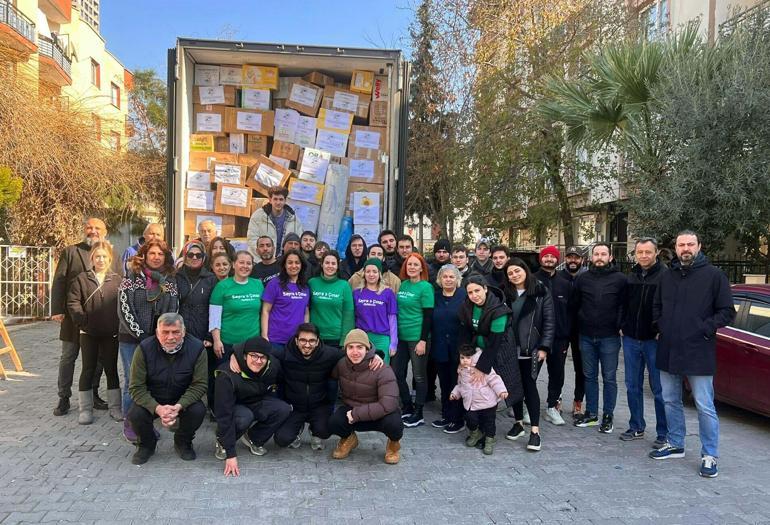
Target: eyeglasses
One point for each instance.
(195, 255)
(257, 357)
(307, 341)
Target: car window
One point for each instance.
(758, 320)
(737, 304)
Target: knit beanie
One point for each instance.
(549, 250)
(357, 336)
(374, 261)
(442, 244)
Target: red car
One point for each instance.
(743, 351)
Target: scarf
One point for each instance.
(154, 282)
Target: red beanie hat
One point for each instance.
(553, 250)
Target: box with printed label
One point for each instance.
(378, 113)
(255, 99)
(362, 82)
(222, 95)
(251, 121)
(283, 87)
(332, 142)
(231, 75)
(318, 78)
(265, 174)
(209, 119)
(256, 144)
(232, 199)
(313, 165)
(367, 189)
(340, 99)
(200, 200)
(259, 77)
(202, 142)
(201, 160)
(225, 224)
(285, 150)
(306, 191)
(304, 97)
(228, 173)
(380, 89)
(206, 75)
(365, 170)
(306, 213)
(367, 142)
(331, 120)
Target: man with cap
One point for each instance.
(573, 266)
(245, 406)
(369, 400)
(561, 292)
(483, 264)
(291, 242)
(442, 250)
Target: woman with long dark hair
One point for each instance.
(285, 303)
(216, 246)
(534, 325)
(331, 302)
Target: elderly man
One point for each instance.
(153, 231)
(73, 261)
(169, 377)
(207, 230)
(692, 302)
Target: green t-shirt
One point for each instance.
(497, 326)
(241, 307)
(411, 299)
(331, 307)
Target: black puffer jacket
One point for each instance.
(306, 380)
(194, 294)
(601, 298)
(535, 327)
(93, 308)
(561, 293)
(640, 294)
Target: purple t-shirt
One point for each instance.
(288, 310)
(372, 309)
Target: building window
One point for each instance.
(115, 95)
(655, 20)
(95, 74)
(115, 141)
(97, 126)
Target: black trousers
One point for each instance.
(318, 418)
(447, 377)
(260, 420)
(555, 363)
(214, 362)
(531, 395)
(97, 350)
(483, 420)
(577, 360)
(432, 375)
(190, 420)
(390, 425)
(400, 364)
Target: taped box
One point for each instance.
(199, 200)
(201, 160)
(364, 188)
(367, 142)
(232, 199)
(286, 150)
(318, 78)
(331, 120)
(304, 97)
(231, 75)
(362, 82)
(228, 173)
(265, 174)
(209, 119)
(251, 121)
(378, 113)
(306, 191)
(283, 87)
(380, 89)
(200, 142)
(231, 143)
(256, 144)
(365, 170)
(259, 77)
(340, 99)
(206, 75)
(225, 224)
(222, 95)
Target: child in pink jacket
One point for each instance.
(479, 399)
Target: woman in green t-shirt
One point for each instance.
(331, 302)
(415, 301)
(234, 312)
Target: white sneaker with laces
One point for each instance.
(219, 451)
(553, 416)
(257, 450)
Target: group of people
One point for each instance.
(302, 337)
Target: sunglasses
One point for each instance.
(195, 255)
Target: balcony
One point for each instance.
(55, 66)
(17, 32)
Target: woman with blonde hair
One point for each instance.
(376, 310)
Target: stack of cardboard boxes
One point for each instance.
(324, 138)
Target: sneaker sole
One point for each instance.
(626, 437)
(454, 431)
(701, 474)
(555, 422)
(514, 438)
(586, 425)
(607, 431)
(415, 424)
(434, 425)
(677, 455)
(534, 448)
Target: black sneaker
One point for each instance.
(440, 423)
(63, 407)
(407, 412)
(515, 432)
(586, 420)
(414, 420)
(534, 441)
(185, 451)
(630, 435)
(606, 427)
(141, 455)
(454, 428)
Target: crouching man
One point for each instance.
(168, 380)
(245, 406)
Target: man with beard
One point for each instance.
(573, 265)
(73, 261)
(307, 242)
(561, 293)
(600, 294)
(441, 250)
(483, 264)
(405, 247)
(387, 239)
(692, 302)
(268, 266)
(496, 277)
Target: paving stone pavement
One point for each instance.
(54, 470)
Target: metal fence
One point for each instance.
(25, 281)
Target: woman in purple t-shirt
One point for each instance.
(376, 310)
(285, 300)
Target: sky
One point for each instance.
(138, 32)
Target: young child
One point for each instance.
(479, 400)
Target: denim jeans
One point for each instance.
(637, 354)
(126, 351)
(708, 422)
(604, 351)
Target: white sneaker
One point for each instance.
(553, 416)
(257, 450)
(316, 443)
(219, 451)
(297, 442)
(526, 419)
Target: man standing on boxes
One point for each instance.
(275, 219)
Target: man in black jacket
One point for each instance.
(496, 277)
(73, 261)
(600, 295)
(692, 302)
(245, 408)
(460, 260)
(441, 253)
(573, 265)
(639, 341)
(387, 239)
(561, 293)
(482, 263)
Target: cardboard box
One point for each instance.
(306, 191)
(367, 142)
(257, 203)
(307, 213)
(331, 120)
(206, 75)
(201, 142)
(255, 99)
(259, 77)
(283, 87)
(198, 180)
(222, 144)
(256, 144)
(380, 90)
(363, 187)
(199, 200)
(365, 170)
(286, 150)
(319, 79)
(225, 224)
(201, 160)
(208, 119)
(265, 174)
(228, 173)
(362, 81)
(313, 165)
(332, 142)
(305, 135)
(232, 199)
(222, 95)
(378, 113)
(231, 75)
(286, 163)
(249, 159)
(340, 99)
(304, 97)
(251, 121)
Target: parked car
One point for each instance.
(743, 351)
